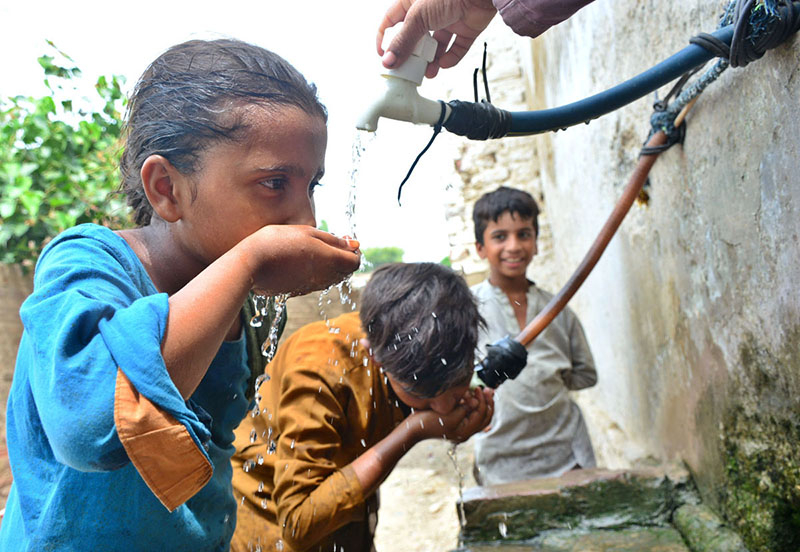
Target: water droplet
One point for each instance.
(260, 486)
(272, 447)
(253, 435)
(443, 361)
(292, 445)
(441, 422)
(503, 529)
(363, 443)
(227, 518)
(264, 503)
(433, 314)
(279, 546)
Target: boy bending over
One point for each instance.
(537, 430)
(346, 400)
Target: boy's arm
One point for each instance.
(583, 373)
(313, 496)
(460, 424)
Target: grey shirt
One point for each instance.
(536, 430)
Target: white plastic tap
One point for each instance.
(399, 98)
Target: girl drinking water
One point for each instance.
(132, 370)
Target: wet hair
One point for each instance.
(192, 96)
(503, 200)
(422, 322)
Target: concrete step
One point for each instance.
(652, 539)
(583, 499)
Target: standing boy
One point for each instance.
(537, 430)
(345, 400)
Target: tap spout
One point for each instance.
(401, 101)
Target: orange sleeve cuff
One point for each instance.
(161, 448)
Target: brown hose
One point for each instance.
(631, 192)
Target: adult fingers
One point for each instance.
(403, 43)
(394, 15)
(456, 52)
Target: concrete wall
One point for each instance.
(692, 312)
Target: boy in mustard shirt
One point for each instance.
(345, 400)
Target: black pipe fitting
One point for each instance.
(505, 359)
(477, 120)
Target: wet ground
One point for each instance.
(418, 499)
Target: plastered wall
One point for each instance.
(692, 312)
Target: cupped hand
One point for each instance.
(298, 259)
(464, 19)
(471, 415)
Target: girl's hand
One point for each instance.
(298, 259)
(471, 415)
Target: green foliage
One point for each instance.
(377, 256)
(446, 261)
(58, 161)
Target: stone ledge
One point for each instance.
(582, 499)
(705, 531)
(653, 539)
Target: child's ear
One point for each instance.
(159, 179)
(480, 249)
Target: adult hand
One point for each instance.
(472, 414)
(464, 19)
(299, 259)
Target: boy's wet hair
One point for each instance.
(187, 99)
(422, 324)
(503, 200)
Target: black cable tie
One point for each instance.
(485, 79)
(677, 136)
(661, 105)
(712, 44)
(437, 128)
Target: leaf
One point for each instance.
(32, 200)
(7, 207)
(58, 160)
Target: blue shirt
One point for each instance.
(93, 310)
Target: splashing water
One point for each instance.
(462, 518)
(359, 147)
(260, 306)
(269, 347)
